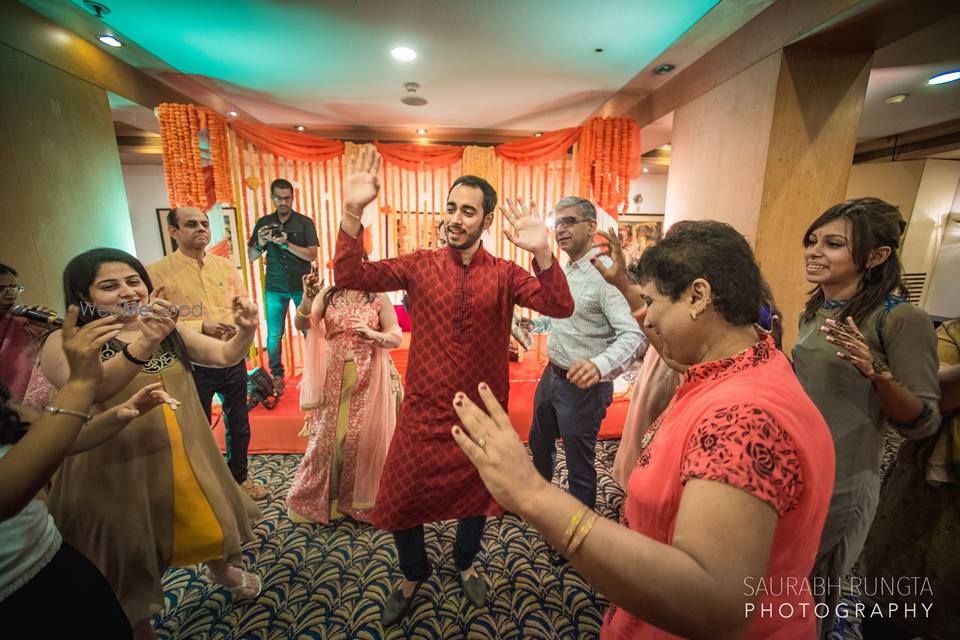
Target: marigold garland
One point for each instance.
(603, 157)
(180, 134)
(482, 162)
(603, 161)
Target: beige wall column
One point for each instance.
(61, 188)
(768, 151)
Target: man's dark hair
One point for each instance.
(280, 183)
(489, 193)
(711, 250)
(5, 270)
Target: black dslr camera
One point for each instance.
(273, 230)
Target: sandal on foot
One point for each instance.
(250, 585)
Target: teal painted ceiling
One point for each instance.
(482, 64)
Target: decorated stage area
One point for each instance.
(275, 431)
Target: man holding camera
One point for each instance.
(289, 240)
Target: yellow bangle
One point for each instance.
(572, 527)
(581, 534)
(304, 316)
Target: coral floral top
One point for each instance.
(744, 421)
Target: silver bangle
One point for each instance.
(69, 412)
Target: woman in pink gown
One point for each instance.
(350, 393)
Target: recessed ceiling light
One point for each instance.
(232, 114)
(664, 69)
(300, 127)
(897, 99)
(943, 78)
(403, 54)
(646, 170)
(109, 40)
(422, 131)
(538, 134)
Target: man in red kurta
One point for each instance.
(461, 307)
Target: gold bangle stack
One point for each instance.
(572, 527)
(580, 525)
(303, 315)
(586, 524)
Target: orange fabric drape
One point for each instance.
(289, 144)
(552, 145)
(416, 157)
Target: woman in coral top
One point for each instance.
(726, 501)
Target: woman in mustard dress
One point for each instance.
(158, 494)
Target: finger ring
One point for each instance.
(482, 443)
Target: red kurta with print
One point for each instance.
(746, 422)
(461, 316)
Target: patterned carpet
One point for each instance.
(331, 582)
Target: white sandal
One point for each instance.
(250, 585)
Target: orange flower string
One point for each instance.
(180, 136)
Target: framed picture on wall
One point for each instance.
(225, 238)
(169, 244)
(638, 231)
(413, 231)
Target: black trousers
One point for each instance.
(68, 598)
(231, 385)
(413, 553)
(563, 410)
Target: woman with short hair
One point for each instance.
(726, 500)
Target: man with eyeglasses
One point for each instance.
(18, 337)
(289, 241)
(586, 351)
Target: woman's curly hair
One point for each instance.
(12, 427)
